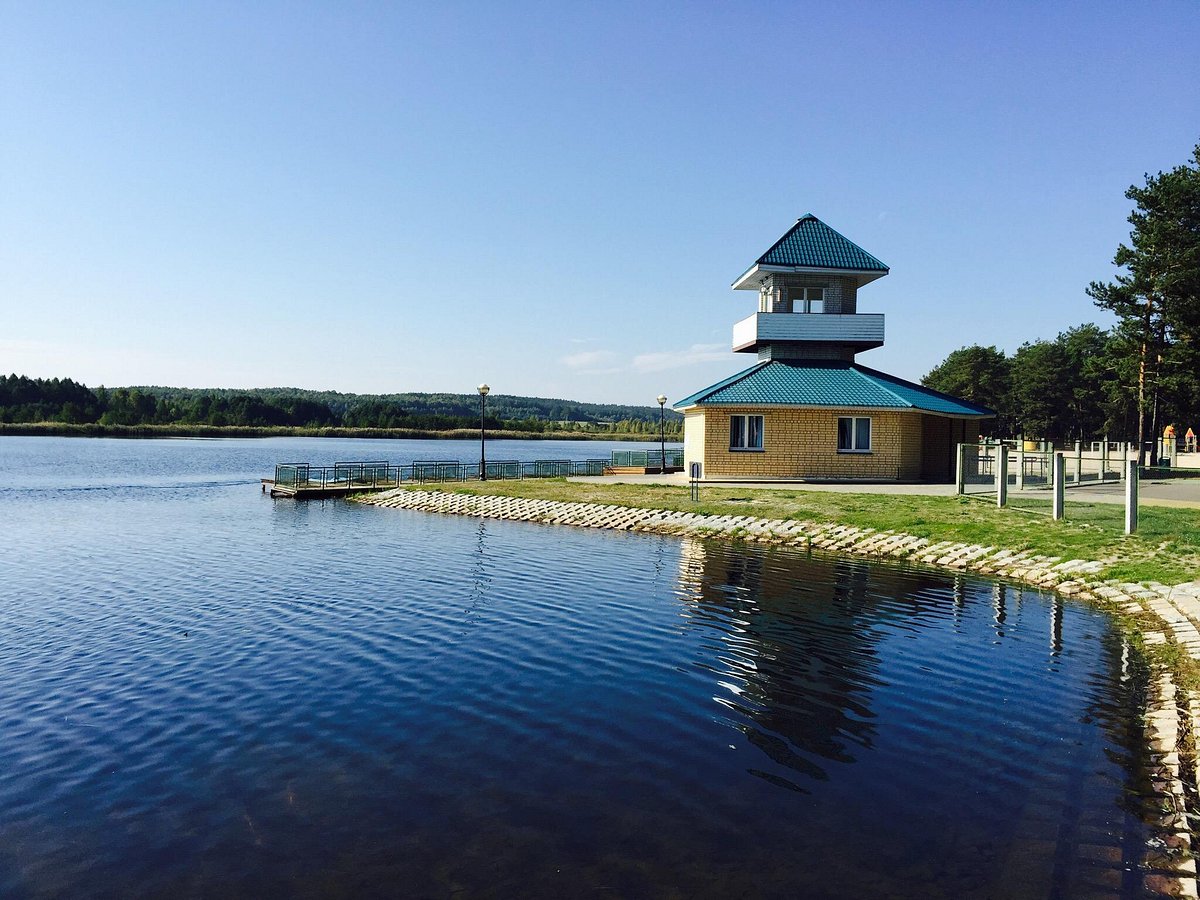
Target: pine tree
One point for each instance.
(1157, 297)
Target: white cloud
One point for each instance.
(678, 359)
(589, 360)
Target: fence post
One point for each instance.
(1078, 462)
(1131, 496)
(1059, 473)
(1002, 475)
(1104, 459)
(1124, 459)
(961, 474)
(1021, 467)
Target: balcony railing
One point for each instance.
(863, 330)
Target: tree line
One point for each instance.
(1074, 387)
(61, 400)
(1129, 381)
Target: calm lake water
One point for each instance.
(208, 693)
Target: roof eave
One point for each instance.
(791, 404)
(749, 280)
(906, 407)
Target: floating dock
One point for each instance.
(304, 481)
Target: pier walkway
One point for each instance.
(305, 481)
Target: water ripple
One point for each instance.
(209, 693)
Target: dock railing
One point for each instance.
(377, 475)
(649, 459)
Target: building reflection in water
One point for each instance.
(793, 659)
(794, 643)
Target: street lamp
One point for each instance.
(662, 435)
(483, 392)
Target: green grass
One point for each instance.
(1166, 547)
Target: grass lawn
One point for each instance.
(1166, 547)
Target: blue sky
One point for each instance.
(555, 198)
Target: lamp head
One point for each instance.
(662, 399)
(483, 390)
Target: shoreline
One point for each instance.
(1163, 620)
(1070, 577)
(149, 432)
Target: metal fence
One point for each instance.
(977, 468)
(648, 459)
(1034, 469)
(992, 469)
(375, 475)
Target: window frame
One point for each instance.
(854, 434)
(744, 432)
(800, 302)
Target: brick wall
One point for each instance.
(693, 438)
(841, 294)
(824, 350)
(802, 443)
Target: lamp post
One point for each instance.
(662, 434)
(483, 392)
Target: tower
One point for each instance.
(807, 285)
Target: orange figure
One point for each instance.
(1189, 440)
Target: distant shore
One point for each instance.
(61, 429)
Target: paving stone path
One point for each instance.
(1173, 720)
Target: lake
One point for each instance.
(206, 692)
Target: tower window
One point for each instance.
(807, 300)
(745, 432)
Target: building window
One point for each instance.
(854, 434)
(745, 432)
(806, 300)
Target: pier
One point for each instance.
(305, 481)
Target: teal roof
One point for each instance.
(827, 383)
(812, 243)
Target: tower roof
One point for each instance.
(812, 246)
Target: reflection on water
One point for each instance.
(799, 678)
(205, 692)
(922, 703)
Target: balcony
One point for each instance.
(862, 331)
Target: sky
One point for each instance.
(555, 197)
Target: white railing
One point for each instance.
(860, 328)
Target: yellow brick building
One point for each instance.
(806, 409)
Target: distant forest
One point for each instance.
(61, 400)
